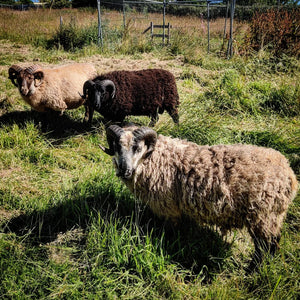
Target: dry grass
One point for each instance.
(70, 229)
(45, 22)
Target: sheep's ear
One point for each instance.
(38, 78)
(149, 136)
(13, 73)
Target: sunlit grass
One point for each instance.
(70, 229)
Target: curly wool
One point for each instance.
(231, 186)
(60, 88)
(143, 92)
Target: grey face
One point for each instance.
(129, 148)
(129, 153)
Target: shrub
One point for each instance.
(275, 30)
(71, 37)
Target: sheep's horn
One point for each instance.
(113, 134)
(87, 85)
(13, 71)
(148, 135)
(109, 85)
(106, 150)
(38, 73)
(33, 69)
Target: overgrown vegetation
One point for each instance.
(70, 229)
(277, 31)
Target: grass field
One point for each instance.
(70, 229)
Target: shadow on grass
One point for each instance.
(195, 249)
(53, 125)
(187, 245)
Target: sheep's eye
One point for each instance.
(136, 149)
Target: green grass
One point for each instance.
(70, 229)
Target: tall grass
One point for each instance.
(70, 229)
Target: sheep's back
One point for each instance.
(67, 82)
(215, 184)
(140, 91)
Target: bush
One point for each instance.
(70, 37)
(277, 31)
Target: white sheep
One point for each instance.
(230, 186)
(54, 89)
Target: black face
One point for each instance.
(99, 94)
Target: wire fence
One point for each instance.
(204, 21)
(228, 7)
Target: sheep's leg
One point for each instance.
(86, 114)
(274, 246)
(174, 115)
(89, 112)
(257, 257)
(154, 119)
(262, 247)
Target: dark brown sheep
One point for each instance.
(118, 94)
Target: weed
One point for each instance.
(276, 30)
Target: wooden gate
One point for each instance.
(164, 36)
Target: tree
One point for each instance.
(84, 3)
(8, 2)
(24, 2)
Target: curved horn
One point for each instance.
(13, 71)
(148, 135)
(87, 85)
(113, 134)
(33, 69)
(38, 73)
(110, 86)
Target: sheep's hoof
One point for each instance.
(253, 265)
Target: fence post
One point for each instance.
(226, 17)
(230, 41)
(124, 17)
(208, 34)
(100, 39)
(60, 22)
(151, 24)
(164, 20)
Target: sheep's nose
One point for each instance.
(125, 174)
(24, 91)
(128, 173)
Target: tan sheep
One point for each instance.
(54, 89)
(230, 186)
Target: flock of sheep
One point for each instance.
(231, 186)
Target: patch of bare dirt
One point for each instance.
(103, 64)
(108, 64)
